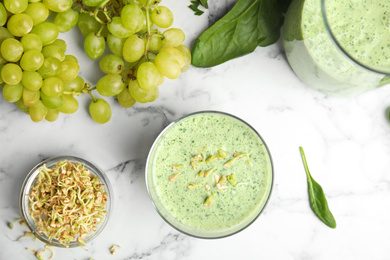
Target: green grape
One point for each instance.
(4, 34)
(176, 54)
(110, 85)
(31, 41)
(20, 24)
(58, 6)
(111, 64)
(66, 20)
(155, 42)
(22, 107)
(100, 111)
(38, 12)
(187, 56)
(69, 57)
(53, 51)
(60, 43)
(69, 104)
(92, 3)
(161, 78)
(168, 65)
(30, 98)
(1, 80)
(12, 93)
(148, 76)
(52, 114)
(140, 95)
(87, 24)
(132, 17)
(94, 45)
(52, 102)
(52, 87)
(2, 60)
(32, 80)
(162, 17)
(3, 15)
(115, 27)
(15, 6)
(173, 37)
(47, 31)
(51, 67)
(143, 2)
(75, 85)
(31, 60)
(133, 48)
(125, 99)
(68, 71)
(115, 44)
(126, 75)
(11, 74)
(11, 50)
(38, 111)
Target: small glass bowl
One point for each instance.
(30, 180)
(187, 229)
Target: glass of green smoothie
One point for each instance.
(341, 48)
(209, 174)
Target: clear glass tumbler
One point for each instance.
(341, 48)
(31, 179)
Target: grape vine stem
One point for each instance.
(148, 29)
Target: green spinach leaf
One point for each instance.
(318, 202)
(249, 24)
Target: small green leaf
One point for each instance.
(204, 3)
(195, 7)
(318, 202)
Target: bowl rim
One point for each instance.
(29, 179)
(166, 130)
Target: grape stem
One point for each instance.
(85, 90)
(100, 7)
(100, 30)
(92, 96)
(148, 28)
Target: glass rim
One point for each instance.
(342, 49)
(29, 180)
(257, 214)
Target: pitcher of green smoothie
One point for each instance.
(340, 47)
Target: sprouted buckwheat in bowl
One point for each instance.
(66, 201)
(209, 174)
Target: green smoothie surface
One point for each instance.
(362, 28)
(203, 205)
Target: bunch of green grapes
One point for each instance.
(36, 74)
(141, 56)
(43, 81)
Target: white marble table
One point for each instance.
(347, 144)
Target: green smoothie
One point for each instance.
(230, 153)
(360, 27)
